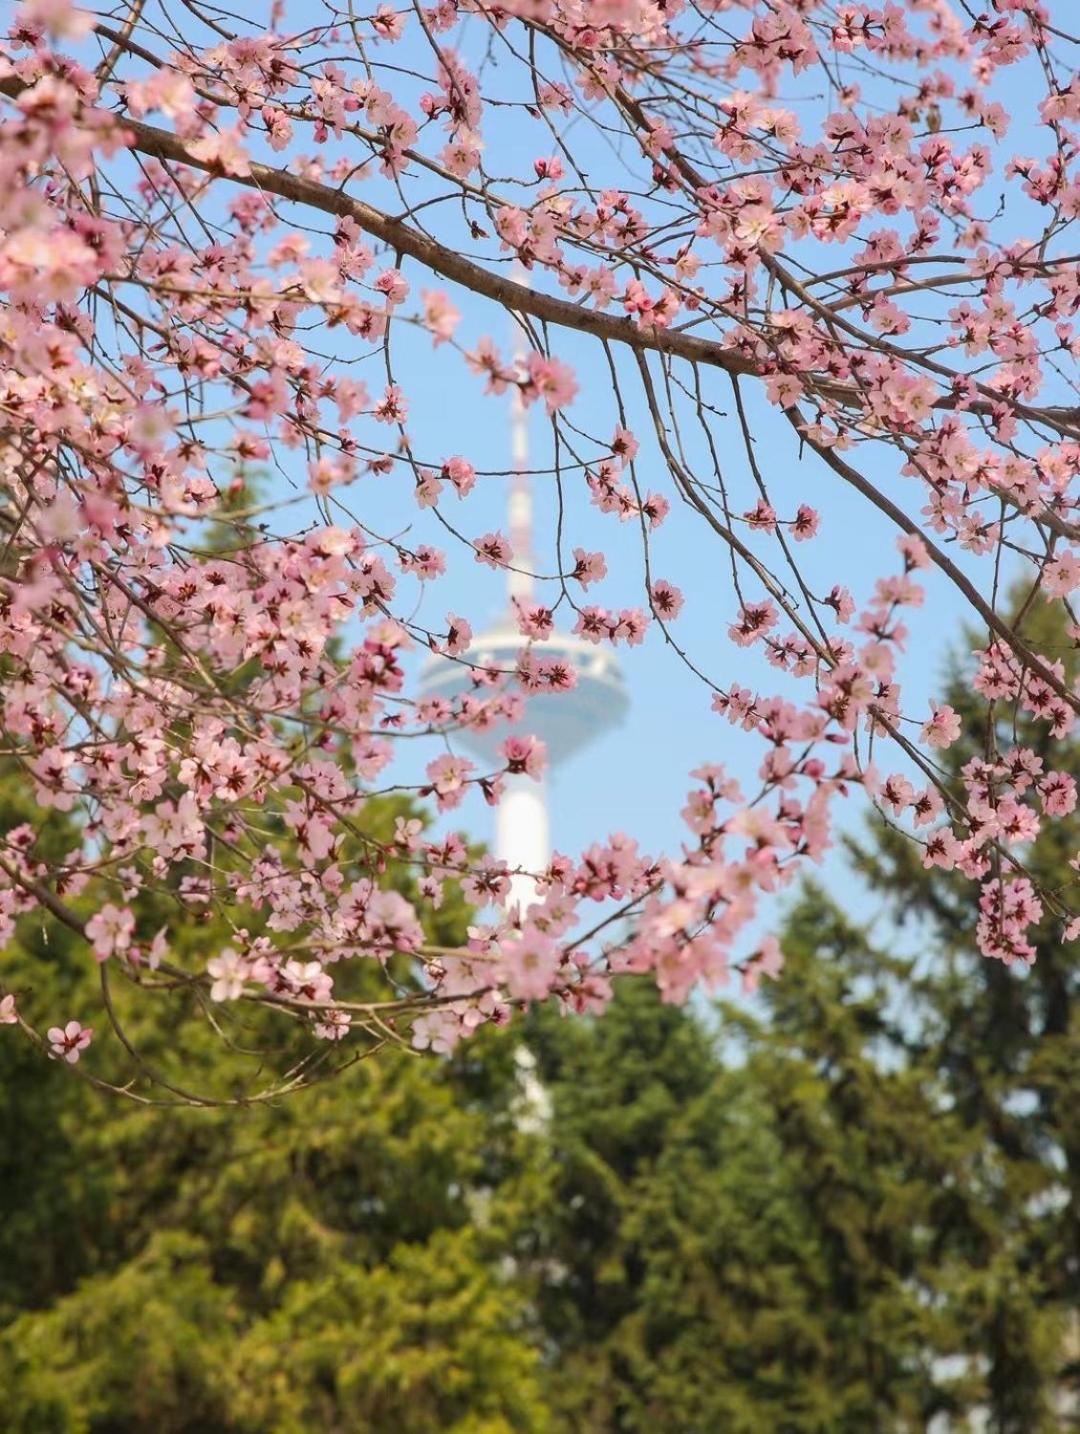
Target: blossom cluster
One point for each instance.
(214, 245)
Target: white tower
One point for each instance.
(522, 830)
(566, 722)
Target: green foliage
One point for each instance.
(1003, 1045)
(146, 1346)
(747, 1244)
(322, 1262)
(329, 1260)
(48, 1205)
(852, 1208)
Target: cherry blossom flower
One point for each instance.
(458, 635)
(192, 669)
(110, 931)
(440, 315)
(551, 380)
(768, 961)
(333, 1025)
(667, 600)
(943, 726)
(1061, 575)
(448, 775)
(529, 965)
(228, 971)
(61, 18)
(1058, 793)
(492, 550)
(225, 150)
(588, 567)
(460, 472)
(526, 755)
(805, 524)
(754, 621)
(68, 1042)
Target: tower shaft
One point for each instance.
(521, 835)
(520, 576)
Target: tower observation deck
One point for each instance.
(566, 722)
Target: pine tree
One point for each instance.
(332, 1261)
(675, 1269)
(1005, 1044)
(927, 1303)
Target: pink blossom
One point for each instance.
(550, 380)
(941, 850)
(448, 776)
(667, 600)
(61, 18)
(588, 567)
(534, 620)
(460, 472)
(914, 551)
(391, 923)
(458, 635)
(110, 931)
(762, 517)
(329, 472)
(805, 524)
(897, 793)
(229, 971)
(68, 1042)
(624, 445)
(529, 965)
(525, 754)
(631, 626)
(492, 550)
(224, 151)
(306, 981)
(1058, 793)
(333, 1025)
(754, 621)
(943, 726)
(768, 961)
(219, 683)
(1061, 575)
(394, 285)
(440, 315)
(842, 603)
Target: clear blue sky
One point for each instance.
(634, 780)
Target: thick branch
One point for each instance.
(403, 238)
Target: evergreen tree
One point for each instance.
(331, 1261)
(852, 1207)
(925, 1296)
(50, 1205)
(676, 1269)
(1004, 1042)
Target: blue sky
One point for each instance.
(635, 778)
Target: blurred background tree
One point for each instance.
(851, 1207)
(331, 1262)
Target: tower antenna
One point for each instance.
(566, 721)
(520, 576)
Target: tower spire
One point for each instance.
(519, 577)
(566, 721)
(521, 821)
